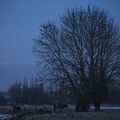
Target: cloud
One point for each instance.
(5, 63)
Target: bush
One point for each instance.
(2, 101)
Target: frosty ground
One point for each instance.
(106, 113)
(103, 115)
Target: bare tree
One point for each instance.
(104, 57)
(82, 53)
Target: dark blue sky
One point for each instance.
(20, 21)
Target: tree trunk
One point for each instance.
(97, 106)
(82, 105)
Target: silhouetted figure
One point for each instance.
(60, 106)
(16, 112)
(82, 106)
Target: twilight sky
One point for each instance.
(20, 22)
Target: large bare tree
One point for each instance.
(82, 53)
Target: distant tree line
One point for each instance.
(82, 53)
(21, 92)
(30, 94)
(37, 93)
